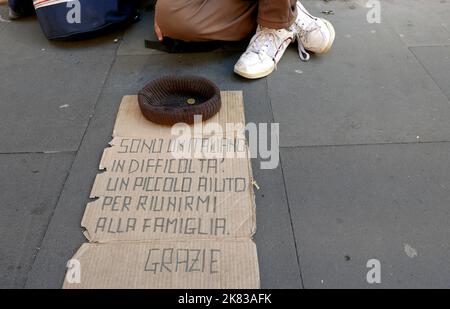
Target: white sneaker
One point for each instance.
(264, 52)
(312, 33)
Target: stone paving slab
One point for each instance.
(385, 202)
(48, 90)
(417, 22)
(436, 61)
(30, 187)
(369, 89)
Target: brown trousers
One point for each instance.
(227, 20)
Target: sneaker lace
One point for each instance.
(303, 35)
(264, 43)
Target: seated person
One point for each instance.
(278, 23)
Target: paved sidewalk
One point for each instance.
(365, 136)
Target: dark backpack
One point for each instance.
(75, 19)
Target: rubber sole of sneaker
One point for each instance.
(332, 36)
(254, 76)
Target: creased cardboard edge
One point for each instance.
(251, 232)
(252, 196)
(84, 247)
(121, 108)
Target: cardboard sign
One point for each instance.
(165, 220)
(168, 264)
(158, 197)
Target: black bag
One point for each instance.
(68, 19)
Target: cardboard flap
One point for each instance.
(131, 123)
(167, 264)
(232, 219)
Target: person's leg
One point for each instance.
(277, 14)
(205, 20)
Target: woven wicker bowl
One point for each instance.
(173, 99)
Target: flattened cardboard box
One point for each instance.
(176, 207)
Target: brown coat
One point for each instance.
(227, 20)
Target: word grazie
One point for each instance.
(171, 260)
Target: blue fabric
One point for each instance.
(96, 15)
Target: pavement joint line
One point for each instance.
(431, 45)
(100, 93)
(179, 54)
(63, 185)
(286, 194)
(37, 152)
(411, 49)
(392, 29)
(368, 144)
(71, 165)
(270, 100)
(296, 247)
